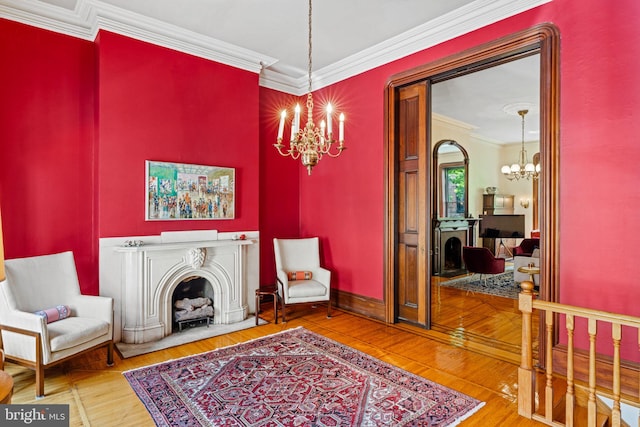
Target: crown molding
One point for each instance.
(120, 21)
(78, 22)
(468, 18)
(91, 16)
(448, 121)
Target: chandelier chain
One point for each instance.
(523, 169)
(310, 142)
(522, 114)
(310, 48)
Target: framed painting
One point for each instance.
(176, 191)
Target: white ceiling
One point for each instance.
(270, 37)
(489, 100)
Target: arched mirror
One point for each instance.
(451, 175)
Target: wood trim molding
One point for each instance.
(369, 307)
(543, 39)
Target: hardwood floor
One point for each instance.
(100, 396)
(482, 319)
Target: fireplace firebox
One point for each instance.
(192, 303)
(449, 237)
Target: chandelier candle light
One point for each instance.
(524, 168)
(310, 143)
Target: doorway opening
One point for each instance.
(410, 261)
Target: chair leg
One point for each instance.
(257, 307)
(39, 381)
(110, 353)
(281, 298)
(39, 368)
(329, 309)
(275, 306)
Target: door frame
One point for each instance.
(543, 39)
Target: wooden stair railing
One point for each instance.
(527, 373)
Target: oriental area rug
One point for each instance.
(501, 285)
(293, 378)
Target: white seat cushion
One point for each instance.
(306, 288)
(73, 331)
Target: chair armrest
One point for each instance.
(323, 276)
(24, 335)
(283, 282)
(24, 321)
(92, 306)
(21, 331)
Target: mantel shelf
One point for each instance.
(179, 245)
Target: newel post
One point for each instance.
(526, 374)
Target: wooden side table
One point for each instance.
(531, 270)
(268, 290)
(6, 388)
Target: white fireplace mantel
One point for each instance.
(142, 278)
(161, 247)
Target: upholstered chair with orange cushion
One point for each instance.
(300, 277)
(45, 320)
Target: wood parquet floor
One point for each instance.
(100, 396)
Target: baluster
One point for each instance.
(548, 400)
(526, 375)
(616, 335)
(570, 397)
(591, 405)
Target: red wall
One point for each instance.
(78, 121)
(47, 179)
(343, 201)
(74, 134)
(279, 183)
(598, 195)
(159, 104)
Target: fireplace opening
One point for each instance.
(192, 303)
(453, 264)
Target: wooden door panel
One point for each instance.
(408, 293)
(411, 266)
(410, 199)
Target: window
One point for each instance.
(453, 179)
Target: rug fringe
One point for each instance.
(467, 415)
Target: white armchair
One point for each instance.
(524, 261)
(301, 255)
(43, 282)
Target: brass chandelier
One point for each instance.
(310, 143)
(523, 169)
